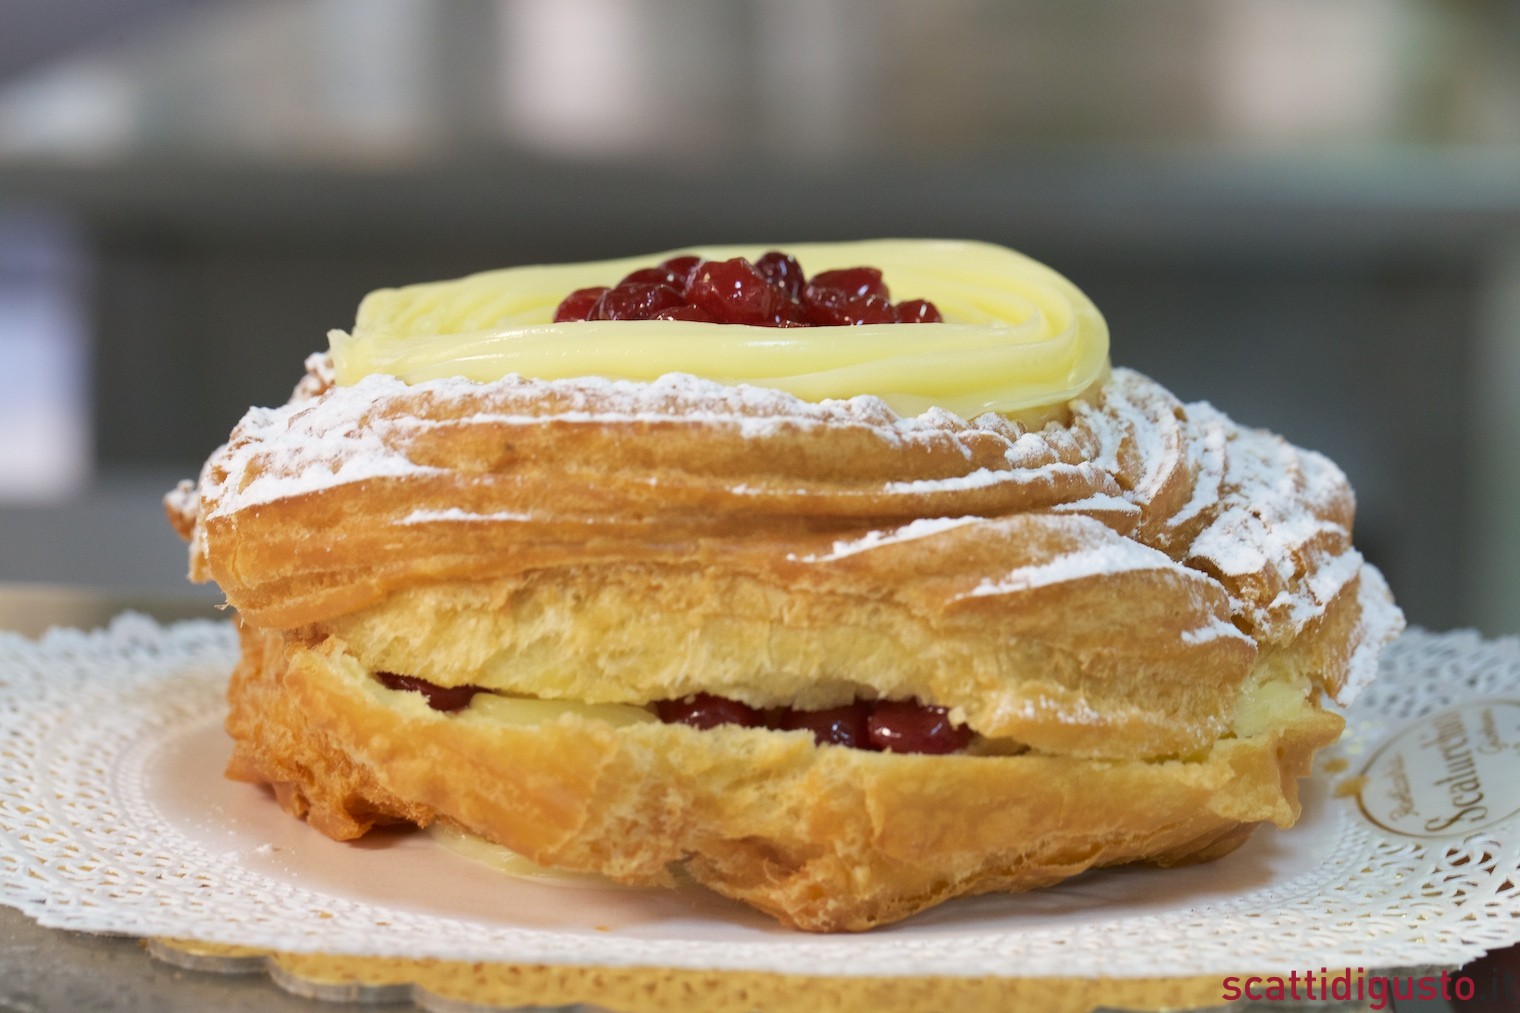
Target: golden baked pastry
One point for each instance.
(472, 600)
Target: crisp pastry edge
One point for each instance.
(825, 838)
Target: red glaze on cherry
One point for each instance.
(907, 726)
(771, 292)
(917, 311)
(898, 726)
(691, 313)
(440, 698)
(782, 271)
(838, 726)
(703, 710)
(733, 291)
(681, 266)
(656, 276)
(837, 308)
(634, 301)
(853, 281)
(578, 304)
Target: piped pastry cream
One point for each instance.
(838, 621)
(1018, 338)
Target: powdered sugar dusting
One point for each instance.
(1131, 440)
(319, 377)
(1381, 621)
(1214, 629)
(1331, 574)
(1100, 503)
(317, 443)
(1113, 557)
(307, 446)
(1209, 456)
(455, 514)
(1236, 542)
(1204, 497)
(1281, 522)
(921, 528)
(183, 498)
(983, 478)
(1270, 517)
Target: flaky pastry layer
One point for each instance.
(823, 837)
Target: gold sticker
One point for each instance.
(1448, 775)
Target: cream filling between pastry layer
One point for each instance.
(504, 859)
(510, 710)
(1018, 337)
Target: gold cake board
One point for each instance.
(444, 985)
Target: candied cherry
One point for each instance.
(899, 726)
(691, 313)
(832, 307)
(634, 301)
(917, 311)
(839, 726)
(578, 304)
(771, 292)
(792, 314)
(855, 281)
(733, 292)
(782, 271)
(907, 726)
(656, 276)
(680, 266)
(704, 710)
(440, 698)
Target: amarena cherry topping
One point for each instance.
(770, 292)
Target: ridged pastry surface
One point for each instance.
(331, 504)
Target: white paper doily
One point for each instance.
(114, 817)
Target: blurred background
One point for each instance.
(1307, 213)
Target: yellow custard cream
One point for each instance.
(510, 862)
(1018, 338)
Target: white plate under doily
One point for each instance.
(114, 817)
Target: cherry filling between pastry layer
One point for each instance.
(895, 726)
(770, 292)
(440, 698)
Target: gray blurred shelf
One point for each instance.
(1396, 202)
(112, 537)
